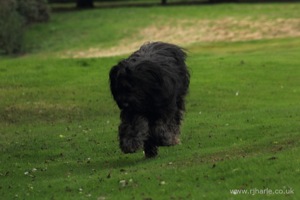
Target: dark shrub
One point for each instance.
(11, 27)
(34, 10)
(14, 15)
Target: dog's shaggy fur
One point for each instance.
(149, 87)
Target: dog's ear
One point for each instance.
(113, 73)
(119, 70)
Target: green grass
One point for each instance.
(58, 122)
(102, 28)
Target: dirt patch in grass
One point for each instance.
(185, 32)
(38, 110)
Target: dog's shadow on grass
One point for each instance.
(125, 162)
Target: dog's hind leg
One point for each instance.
(150, 148)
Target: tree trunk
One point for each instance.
(223, 1)
(163, 2)
(85, 4)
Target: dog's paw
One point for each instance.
(150, 148)
(130, 145)
(151, 153)
(176, 140)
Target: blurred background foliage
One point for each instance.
(15, 16)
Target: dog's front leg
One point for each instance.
(150, 148)
(133, 131)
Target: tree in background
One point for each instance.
(85, 3)
(163, 2)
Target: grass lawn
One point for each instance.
(241, 132)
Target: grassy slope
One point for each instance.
(241, 131)
(104, 28)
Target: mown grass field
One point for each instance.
(58, 128)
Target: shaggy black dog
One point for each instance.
(149, 88)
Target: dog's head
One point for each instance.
(141, 86)
(151, 80)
